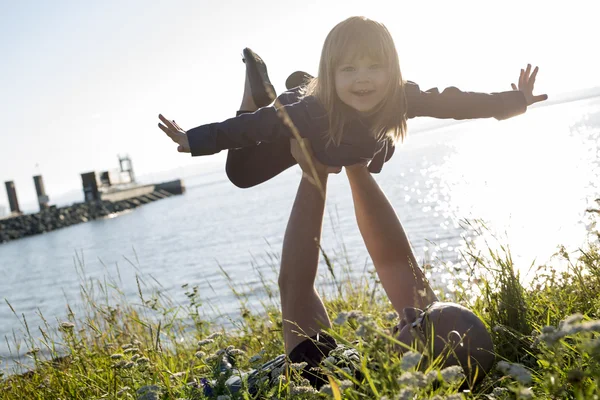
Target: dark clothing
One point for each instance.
(312, 351)
(262, 139)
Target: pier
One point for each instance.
(105, 193)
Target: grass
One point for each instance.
(546, 338)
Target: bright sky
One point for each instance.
(81, 82)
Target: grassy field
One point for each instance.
(546, 338)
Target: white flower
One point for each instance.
(298, 366)
(67, 326)
(326, 389)
(214, 335)
(416, 378)
(405, 394)
(236, 352)
(116, 356)
(517, 371)
(298, 390)
(455, 396)
(354, 314)
(452, 374)
(346, 384)
(204, 342)
(410, 360)
(200, 354)
(525, 393)
(223, 397)
(341, 318)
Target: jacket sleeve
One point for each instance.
(456, 104)
(264, 125)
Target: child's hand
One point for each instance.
(307, 161)
(177, 134)
(526, 82)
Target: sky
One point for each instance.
(81, 82)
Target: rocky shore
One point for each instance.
(55, 218)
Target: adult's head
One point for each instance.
(359, 71)
(454, 333)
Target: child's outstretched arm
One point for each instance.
(177, 134)
(456, 104)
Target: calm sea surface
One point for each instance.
(530, 179)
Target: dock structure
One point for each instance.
(13, 202)
(104, 194)
(41, 192)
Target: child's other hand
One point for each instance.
(303, 154)
(177, 134)
(526, 82)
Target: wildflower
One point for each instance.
(129, 365)
(405, 394)
(298, 366)
(137, 343)
(143, 360)
(131, 350)
(517, 371)
(452, 374)
(410, 360)
(391, 316)
(572, 319)
(119, 364)
(346, 384)
(525, 393)
(341, 318)
(354, 314)
(416, 379)
(326, 389)
(200, 354)
(361, 331)
(281, 379)
(33, 351)
(455, 396)
(223, 397)
(126, 346)
(206, 388)
(329, 360)
(298, 390)
(116, 356)
(205, 342)
(431, 377)
(214, 336)
(149, 392)
(135, 357)
(66, 326)
(178, 375)
(236, 352)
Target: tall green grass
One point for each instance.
(546, 337)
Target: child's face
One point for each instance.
(361, 83)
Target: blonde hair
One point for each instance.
(359, 37)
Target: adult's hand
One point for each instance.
(526, 82)
(177, 134)
(303, 154)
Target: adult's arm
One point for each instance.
(302, 309)
(387, 243)
(457, 104)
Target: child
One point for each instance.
(353, 112)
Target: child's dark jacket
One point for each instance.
(265, 128)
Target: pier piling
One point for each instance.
(41, 192)
(12, 197)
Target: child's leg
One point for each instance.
(249, 166)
